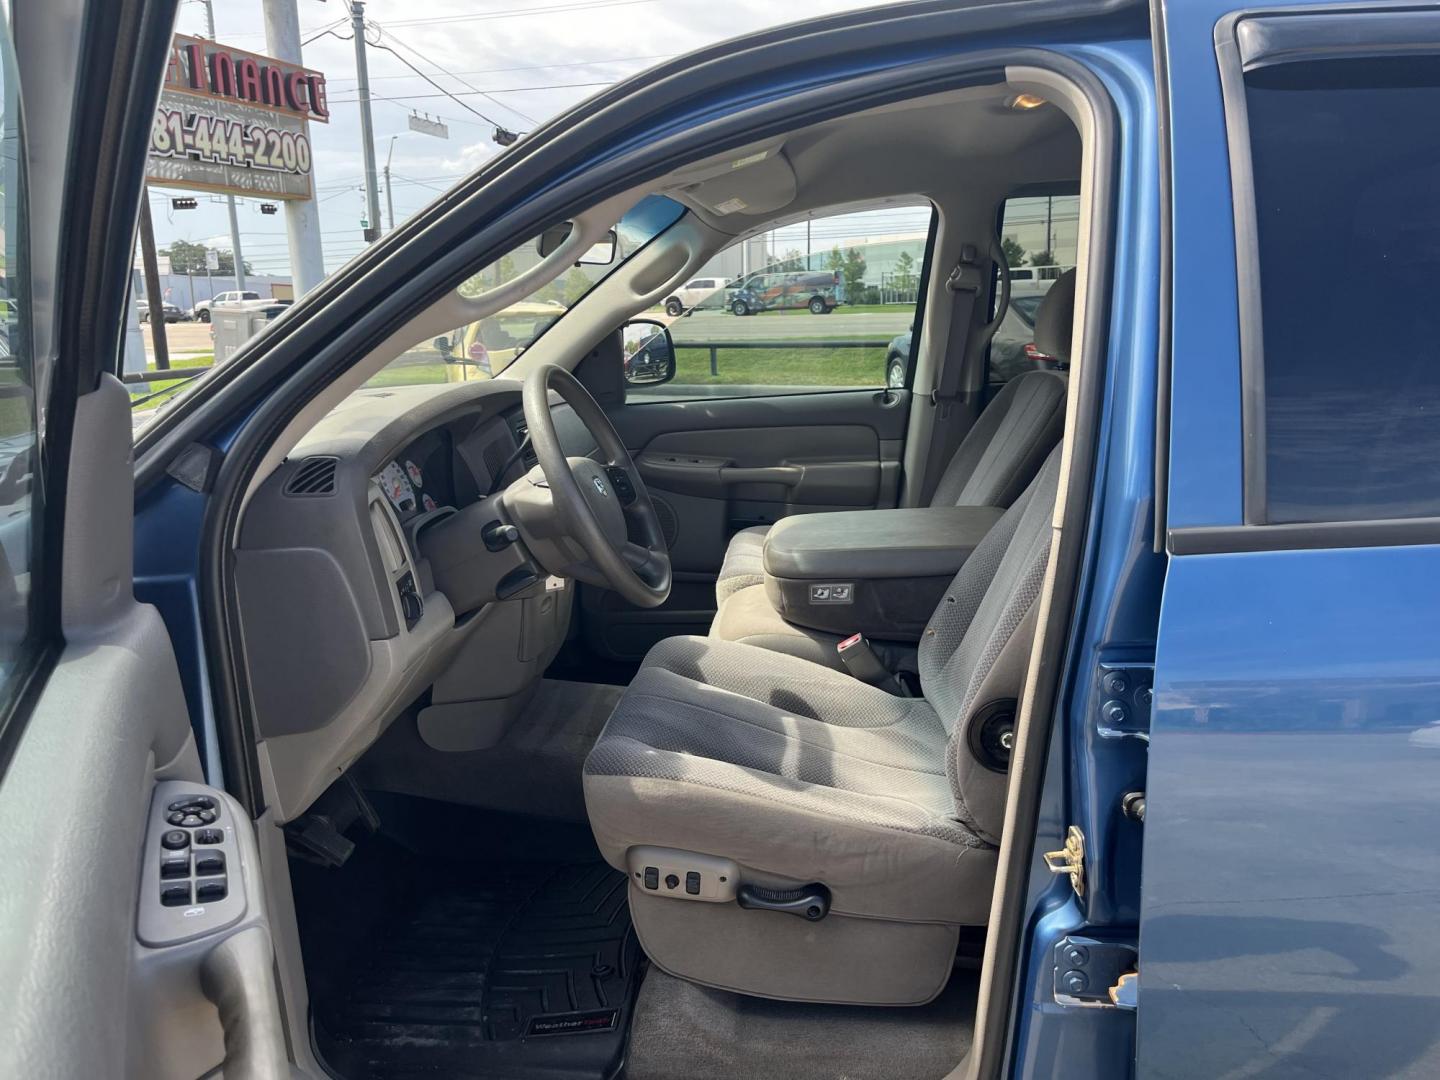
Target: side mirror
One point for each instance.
(442, 344)
(600, 254)
(649, 353)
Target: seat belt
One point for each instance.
(964, 286)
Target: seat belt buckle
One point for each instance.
(861, 661)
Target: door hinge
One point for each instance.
(1070, 859)
(1096, 973)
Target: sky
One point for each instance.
(515, 63)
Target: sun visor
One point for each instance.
(753, 182)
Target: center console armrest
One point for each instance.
(875, 572)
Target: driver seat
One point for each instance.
(768, 777)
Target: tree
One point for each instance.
(504, 269)
(854, 270)
(188, 258)
(577, 284)
(1043, 258)
(835, 260)
(1014, 253)
(904, 275)
(793, 260)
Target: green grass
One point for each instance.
(781, 367)
(161, 388)
(409, 375)
(14, 410)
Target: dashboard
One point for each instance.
(343, 625)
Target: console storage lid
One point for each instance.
(876, 572)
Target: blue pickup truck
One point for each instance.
(609, 719)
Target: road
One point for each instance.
(183, 338)
(775, 326)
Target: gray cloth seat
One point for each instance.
(801, 775)
(997, 458)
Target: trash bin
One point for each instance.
(233, 325)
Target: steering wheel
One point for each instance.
(598, 502)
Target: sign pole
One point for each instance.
(367, 127)
(229, 199)
(152, 285)
(302, 216)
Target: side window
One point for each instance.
(1347, 230)
(19, 497)
(819, 305)
(1038, 235)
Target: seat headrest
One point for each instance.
(1055, 318)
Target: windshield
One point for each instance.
(477, 350)
(485, 348)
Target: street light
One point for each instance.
(389, 199)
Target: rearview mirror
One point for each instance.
(649, 353)
(602, 253)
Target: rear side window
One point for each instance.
(1346, 168)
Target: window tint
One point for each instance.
(19, 495)
(1039, 236)
(824, 304)
(1346, 164)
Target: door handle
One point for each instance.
(788, 475)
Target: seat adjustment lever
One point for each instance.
(810, 902)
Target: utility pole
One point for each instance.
(367, 128)
(152, 285)
(229, 199)
(302, 216)
(389, 196)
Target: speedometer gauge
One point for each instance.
(397, 487)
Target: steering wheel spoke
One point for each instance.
(604, 505)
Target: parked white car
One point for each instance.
(201, 310)
(695, 293)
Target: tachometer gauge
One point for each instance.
(397, 488)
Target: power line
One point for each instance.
(441, 68)
(514, 13)
(432, 82)
(484, 93)
(530, 67)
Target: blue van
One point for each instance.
(648, 720)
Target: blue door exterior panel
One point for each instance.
(1292, 874)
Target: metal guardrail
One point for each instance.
(164, 375)
(787, 343)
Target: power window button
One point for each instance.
(175, 865)
(209, 862)
(652, 877)
(177, 895)
(692, 883)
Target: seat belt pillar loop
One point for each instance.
(963, 284)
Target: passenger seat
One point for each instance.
(994, 463)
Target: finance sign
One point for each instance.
(235, 122)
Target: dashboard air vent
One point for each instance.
(315, 476)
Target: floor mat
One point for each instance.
(509, 969)
(684, 1030)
